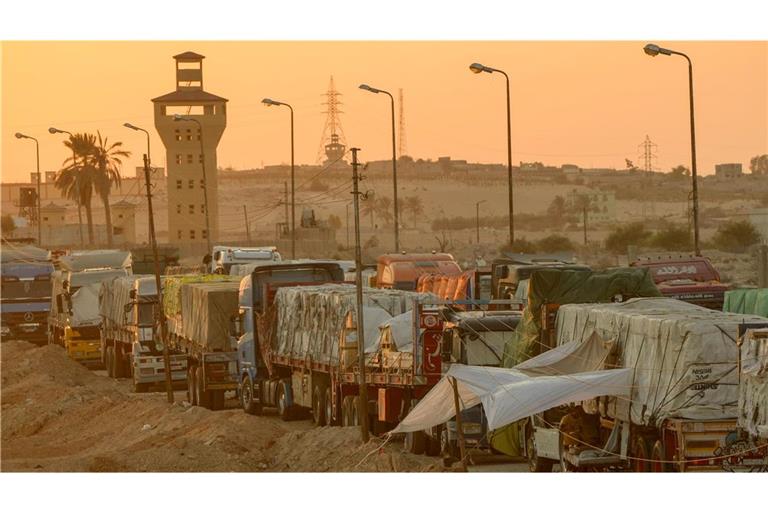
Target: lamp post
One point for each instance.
(159, 318)
(54, 131)
(272, 103)
(653, 50)
(149, 162)
(208, 234)
(479, 68)
(374, 90)
(477, 219)
(37, 160)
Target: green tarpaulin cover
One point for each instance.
(748, 301)
(553, 286)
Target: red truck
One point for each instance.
(691, 279)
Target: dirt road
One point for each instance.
(59, 416)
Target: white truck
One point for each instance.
(199, 311)
(224, 257)
(74, 319)
(682, 411)
(131, 343)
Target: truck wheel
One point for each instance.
(640, 463)
(110, 361)
(415, 442)
(217, 400)
(247, 401)
(191, 386)
(535, 463)
(282, 401)
(203, 396)
(658, 454)
(346, 411)
(329, 420)
(318, 406)
(118, 364)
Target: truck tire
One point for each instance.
(346, 411)
(119, 363)
(535, 463)
(318, 406)
(191, 386)
(283, 408)
(247, 400)
(415, 442)
(658, 454)
(203, 396)
(139, 387)
(329, 419)
(217, 399)
(110, 361)
(640, 462)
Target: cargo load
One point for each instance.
(310, 319)
(172, 289)
(553, 287)
(749, 301)
(115, 295)
(684, 357)
(753, 389)
(207, 313)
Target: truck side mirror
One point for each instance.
(127, 308)
(132, 294)
(234, 326)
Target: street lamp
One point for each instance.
(149, 164)
(477, 218)
(654, 50)
(272, 103)
(374, 90)
(54, 131)
(179, 117)
(479, 68)
(37, 160)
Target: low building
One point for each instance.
(602, 204)
(728, 170)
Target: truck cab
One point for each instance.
(688, 278)
(256, 294)
(507, 274)
(224, 257)
(25, 300)
(402, 271)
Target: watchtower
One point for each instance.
(185, 144)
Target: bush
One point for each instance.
(736, 236)
(622, 236)
(554, 243)
(317, 186)
(7, 224)
(521, 245)
(672, 238)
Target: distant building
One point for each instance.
(124, 221)
(728, 170)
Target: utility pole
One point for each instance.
(348, 204)
(285, 201)
(585, 224)
(247, 228)
(159, 316)
(477, 219)
(362, 405)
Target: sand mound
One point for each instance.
(338, 449)
(59, 416)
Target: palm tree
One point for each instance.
(414, 205)
(383, 207)
(369, 208)
(107, 162)
(75, 180)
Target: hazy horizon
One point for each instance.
(585, 103)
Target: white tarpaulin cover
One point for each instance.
(519, 392)
(753, 390)
(85, 306)
(683, 356)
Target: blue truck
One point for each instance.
(25, 294)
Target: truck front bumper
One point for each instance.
(84, 351)
(151, 369)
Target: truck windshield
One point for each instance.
(146, 314)
(14, 291)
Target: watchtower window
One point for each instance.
(178, 156)
(189, 134)
(178, 135)
(202, 183)
(191, 183)
(200, 158)
(178, 184)
(184, 110)
(178, 208)
(189, 158)
(191, 234)
(202, 208)
(204, 234)
(178, 234)
(191, 209)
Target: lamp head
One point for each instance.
(476, 68)
(179, 117)
(654, 49)
(368, 88)
(54, 131)
(269, 102)
(20, 135)
(129, 125)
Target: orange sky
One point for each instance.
(588, 103)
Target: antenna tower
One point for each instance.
(333, 141)
(402, 145)
(648, 154)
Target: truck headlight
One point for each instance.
(5, 329)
